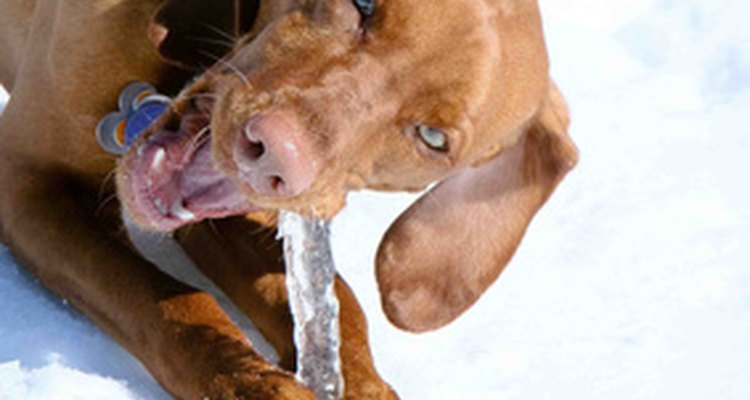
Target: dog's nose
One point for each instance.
(273, 156)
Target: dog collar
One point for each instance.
(139, 106)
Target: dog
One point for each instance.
(298, 103)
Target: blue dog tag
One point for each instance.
(142, 118)
(140, 105)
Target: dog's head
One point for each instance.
(317, 98)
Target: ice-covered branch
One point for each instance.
(315, 308)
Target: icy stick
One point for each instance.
(310, 281)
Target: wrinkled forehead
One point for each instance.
(467, 64)
(448, 48)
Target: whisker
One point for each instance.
(192, 97)
(209, 54)
(215, 229)
(219, 31)
(201, 132)
(204, 138)
(201, 95)
(229, 65)
(106, 180)
(237, 71)
(188, 229)
(199, 140)
(222, 42)
(274, 220)
(209, 71)
(104, 203)
(200, 143)
(258, 229)
(268, 239)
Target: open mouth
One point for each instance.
(168, 179)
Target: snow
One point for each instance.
(632, 283)
(47, 347)
(53, 382)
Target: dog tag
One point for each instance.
(139, 106)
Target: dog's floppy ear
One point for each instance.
(196, 33)
(444, 251)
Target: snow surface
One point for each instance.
(632, 283)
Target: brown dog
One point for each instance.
(304, 101)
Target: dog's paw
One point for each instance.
(266, 385)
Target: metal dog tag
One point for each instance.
(140, 105)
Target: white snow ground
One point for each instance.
(632, 283)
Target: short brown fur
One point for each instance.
(482, 78)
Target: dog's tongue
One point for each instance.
(205, 189)
(176, 182)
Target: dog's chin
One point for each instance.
(168, 178)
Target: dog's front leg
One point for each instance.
(51, 224)
(245, 261)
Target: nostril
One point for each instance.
(253, 150)
(256, 149)
(277, 183)
(271, 156)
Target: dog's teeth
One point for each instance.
(159, 157)
(161, 206)
(178, 210)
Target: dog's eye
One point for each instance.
(434, 138)
(365, 7)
